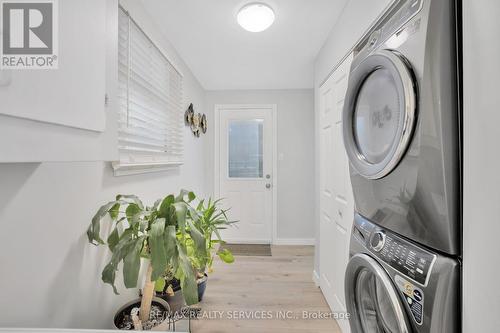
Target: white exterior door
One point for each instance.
(245, 172)
(336, 199)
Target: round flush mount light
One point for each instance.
(256, 17)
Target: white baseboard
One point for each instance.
(316, 278)
(294, 241)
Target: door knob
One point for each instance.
(268, 185)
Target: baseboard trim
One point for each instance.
(316, 278)
(294, 241)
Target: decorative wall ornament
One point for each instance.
(204, 124)
(195, 124)
(188, 116)
(196, 121)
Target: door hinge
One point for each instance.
(106, 100)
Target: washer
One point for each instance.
(401, 124)
(393, 285)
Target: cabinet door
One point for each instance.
(60, 114)
(73, 94)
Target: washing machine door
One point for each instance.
(371, 298)
(379, 113)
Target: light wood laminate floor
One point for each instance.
(264, 286)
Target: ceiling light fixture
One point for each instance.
(256, 17)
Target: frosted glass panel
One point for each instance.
(377, 115)
(245, 148)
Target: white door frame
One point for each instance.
(274, 109)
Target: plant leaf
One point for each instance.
(93, 232)
(200, 243)
(180, 214)
(121, 250)
(113, 239)
(160, 285)
(132, 264)
(187, 277)
(157, 248)
(200, 205)
(226, 256)
(114, 211)
(170, 241)
(108, 276)
(182, 196)
(157, 204)
(130, 199)
(164, 210)
(193, 213)
(131, 211)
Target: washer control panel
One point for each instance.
(403, 256)
(410, 260)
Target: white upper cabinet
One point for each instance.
(60, 114)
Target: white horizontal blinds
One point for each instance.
(151, 117)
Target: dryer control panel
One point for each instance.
(405, 257)
(390, 25)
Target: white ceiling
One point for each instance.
(224, 56)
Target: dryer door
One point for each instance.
(371, 298)
(379, 113)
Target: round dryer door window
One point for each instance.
(372, 300)
(379, 113)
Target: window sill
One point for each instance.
(127, 169)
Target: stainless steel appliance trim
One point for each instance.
(385, 13)
(401, 70)
(410, 110)
(363, 261)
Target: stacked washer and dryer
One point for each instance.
(402, 136)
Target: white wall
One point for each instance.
(481, 227)
(354, 21)
(296, 145)
(49, 274)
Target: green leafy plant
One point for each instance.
(161, 233)
(211, 220)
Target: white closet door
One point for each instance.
(336, 200)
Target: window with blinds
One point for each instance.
(150, 127)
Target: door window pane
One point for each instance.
(376, 116)
(245, 148)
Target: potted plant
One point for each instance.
(160, 234)
(209, 219)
